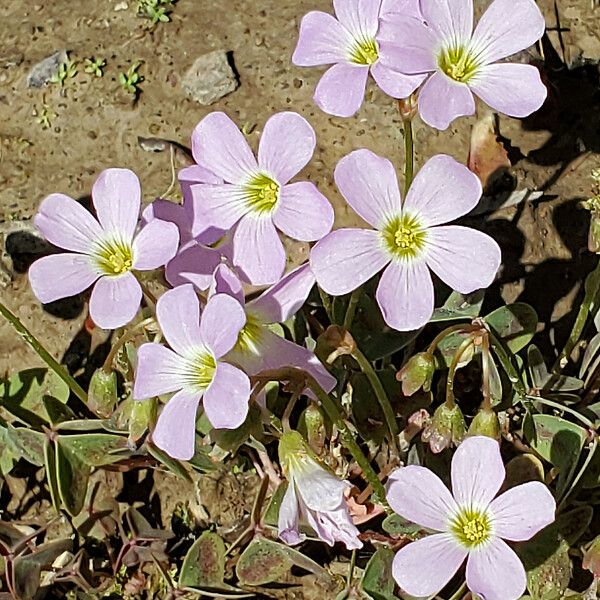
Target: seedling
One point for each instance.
(130, 81)
(45, 116)
(66, 70)
(95, 66)
(157, 10)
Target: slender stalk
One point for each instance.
(513, 375)
(586, 464)
(43, 353)
(146, 290)
(352, 306)
(460, 592)
(409, 155)
(563, 408)
(126, 337)
(485, 367)
(350, 576)
(440, 336)
(388, 412)
(467, 343)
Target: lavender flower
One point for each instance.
(193, 368)
(351, 42)
(104, 252)
(257, 198)
(407, 237)
(471, 523)
(460, 62)
(314, 495)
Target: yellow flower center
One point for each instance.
(262, 193)
(364, 52)
(114, 257)
(458, 62)
(404, 236)
(249, 335)
(471, 528)
(201, 370)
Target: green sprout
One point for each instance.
(157, 10)
(95, 66)
(66, 70)
(45, 116)
(131, 79)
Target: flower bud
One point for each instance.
(313, 421)
(102, 392)
(591, 557)
(143, 412)
(408, 107)
(335, 342)
(447, 427)
(417, 373)
(485, 422)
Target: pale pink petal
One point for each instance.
(66, 224)
(158, 371)
(392, 82)
(451, 19)
(178, 313)
(369, 184)
(330, 258)
(322, 41)
(360, 17)
(513, 89)
(222, 320)
(341, 90)
(287, 144)
(258, 251)
(303, 213)
(219, 206)
(225, 281)
(196, 174)
(477, 472)
(463, 258)
(288, 518)
(507, 27)
(495, 572)
(424, 567)
(319, 489)
(405, 295)
(417, 494)
(195, 264)
(335, 526)
(394, 8)
(219, 146)
(175, 430)
(61, 275)
(284, 299)
(442, 191)
(115, 301)
(117, 197)
(165, 210)
(522, 511)
(458, 101)
(226, 399)
(155, 245)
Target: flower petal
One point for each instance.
(158, 372)
(66, 224)
(506, 27)
(322, 41)
(451, 19)
(335, 526)
(513, 89)
(442, 191)
(219, 206)
(392, 82)
(458, 101)
(60, 276)
(463, 258)
(287, 144)
(360, 17)
(284, 299)
(417, 494)
(258, 251)
(222, 320)
(115, 301)
(495, 572)
(341, 90)
(165, 210)
(369, 184)
(405, 295)
(477, 472)
(155, 245)
(522, 511)
(117, 196)
(288, 518)
(319, 489)
(409, 8)
(195, 264)
(226, 399)
(330, 257)
(175, 430)
(424, 567)
(225, 281)
(178, 313)
(219, 146)
(303, 213)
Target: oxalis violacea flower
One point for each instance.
(194, 368)
(314, 496)
(106, 251)
(459, 62)
(408, 239)
(257, 198)
(472, 523)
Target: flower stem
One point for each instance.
(440, 336)
(126, 337)
(466, 344)
(352, 306)
(513, 375)
(409, 155)
(43, 353)
(380, 394)
(485, 367)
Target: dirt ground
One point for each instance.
(95, 126)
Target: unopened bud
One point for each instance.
(417, 373)
(312, 421)
(102, 393)
(447, 427)
(416, 422)
(485, 422)
(408, 107)
(333, 343)
(591, 558)
(143, 412)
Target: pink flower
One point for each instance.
(105, 252)
(408, 238)
(471, 523)
(257, 198)
(352, 44)
(193, 368)
(461, 62)
(314, 495)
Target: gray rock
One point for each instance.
(42, 72)
(210, 78)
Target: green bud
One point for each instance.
(447, 427)
(591, 557)
(102, 393)
(417, 373)
(292, 449)
(334, 342)
(143, 413)
(485, 422)
(312, 423)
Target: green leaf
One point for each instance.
(204, 564)
(232, 439)
(176, 467)
(27, 444)
(574, 523)
(51, 476)
(72, 476)
(263, 561)
(377, 580)
(271, 516)
(57, 411)
(459, 306)
(514, 323)
(96, 449)
(396, 525)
